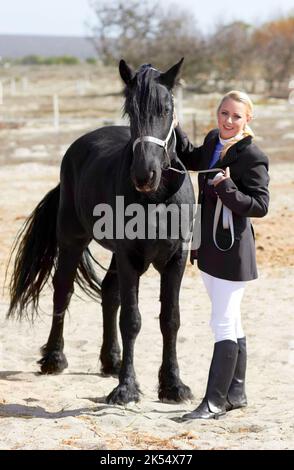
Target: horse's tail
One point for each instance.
(35, 251)
(86, 277)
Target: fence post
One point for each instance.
(12, 87)
(80, 87)
(179, 94)
(56, 112)
(194, 127)
(1, 93)
(24, 82)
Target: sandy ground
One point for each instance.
(69, 411)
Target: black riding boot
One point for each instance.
(220, 376)
(236, 395)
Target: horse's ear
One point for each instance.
(126, 72)
(169, 77)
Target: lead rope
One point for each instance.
(169, 167)
(227, 216)
(227, 223)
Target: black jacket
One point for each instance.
(245, 193)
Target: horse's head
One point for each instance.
(149, 105)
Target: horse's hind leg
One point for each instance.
(171, 388)
(53, 360)
(110, 350)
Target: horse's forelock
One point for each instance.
(144, 97)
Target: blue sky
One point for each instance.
(68, 17)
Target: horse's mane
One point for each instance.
(143, 99)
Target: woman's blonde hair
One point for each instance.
(241, 97)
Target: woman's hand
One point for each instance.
(220, 178)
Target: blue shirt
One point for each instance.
(216, 154)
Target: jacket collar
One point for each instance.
(209, 147)
(232, 153)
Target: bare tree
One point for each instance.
(123, 29)
(141, 32)
(230, 50)
(274, 44)
(178, 36)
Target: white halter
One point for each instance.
(161, 143)
(155, 140)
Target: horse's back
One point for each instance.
(100, 144)
(89, 171)
(91, 164)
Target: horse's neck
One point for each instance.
(171, 181)
(177, 164)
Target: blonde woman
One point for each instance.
(226, 256)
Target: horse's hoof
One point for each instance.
(53, 362)
(175, 393)
(123, 394)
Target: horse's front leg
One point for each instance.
(130, 324)
(171, 388)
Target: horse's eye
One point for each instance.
(166, 110)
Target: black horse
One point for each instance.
(139, 163)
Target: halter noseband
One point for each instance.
(161, 143)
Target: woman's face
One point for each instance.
(232, 118)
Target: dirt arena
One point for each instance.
(69, 411)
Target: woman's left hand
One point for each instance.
(222, 177)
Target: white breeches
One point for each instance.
(225, 299)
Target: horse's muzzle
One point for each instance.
(148, 186)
